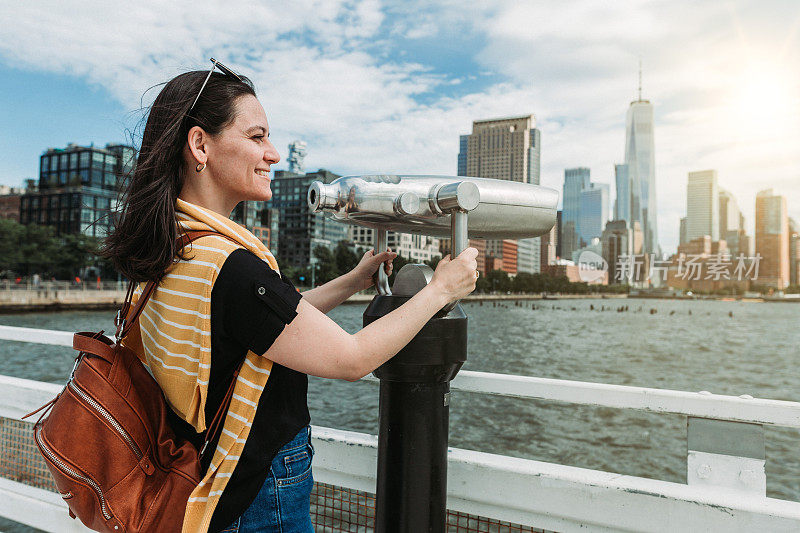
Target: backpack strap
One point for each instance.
(124, 326)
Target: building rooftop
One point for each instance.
(72, 147)
(503, 119)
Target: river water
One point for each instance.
(723, 347)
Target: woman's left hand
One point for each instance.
(366, 269)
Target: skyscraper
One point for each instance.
(593, 212)
(559, 233)
(702, 206)
(463, 143)
(622, 205)
(640, 158)
(731, 224)
(505, 149)
(772, 239)
(529, 251)
(729, 214)
(575, 180)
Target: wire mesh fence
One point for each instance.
(333, 509)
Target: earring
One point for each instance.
(200, 167)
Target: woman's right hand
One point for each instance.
(314, 344)
(456, 278)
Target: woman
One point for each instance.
(222, 305)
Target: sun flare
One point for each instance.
(766, 100)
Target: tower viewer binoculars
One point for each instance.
(458, 207)
(411, 487)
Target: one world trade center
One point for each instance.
(640, 159)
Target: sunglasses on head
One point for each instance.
(225, 70)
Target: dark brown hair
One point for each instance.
(143, 243)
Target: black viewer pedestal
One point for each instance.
(414, 421)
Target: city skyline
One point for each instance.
(377, 87)
(713, 226)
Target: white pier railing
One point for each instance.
(726, 489)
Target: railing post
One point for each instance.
(726, 454)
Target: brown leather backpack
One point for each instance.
(106, 441)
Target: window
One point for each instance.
(62, 177)
(128, 157)
(53, 163)
(73, 161)
(84, 161)
(63, 161)
(97, 160)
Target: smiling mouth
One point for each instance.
(263, 173)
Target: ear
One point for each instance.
(197, 139)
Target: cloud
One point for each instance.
(348, 77)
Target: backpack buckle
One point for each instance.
(120, 328)
(75, 367)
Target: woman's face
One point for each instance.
(240, 156)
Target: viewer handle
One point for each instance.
(381, 243)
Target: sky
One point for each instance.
(387, 87)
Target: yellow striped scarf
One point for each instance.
(174, 340)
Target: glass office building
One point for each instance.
(622, 205)
(575, 181)
(640, 159)
(78, 188)
(300, 230)
(593, 212)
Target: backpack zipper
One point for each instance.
(72, 473)
(106, 415)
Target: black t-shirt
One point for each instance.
(250, 305)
